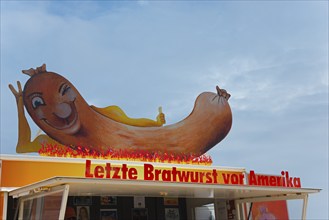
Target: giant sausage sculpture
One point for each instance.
(57, 107)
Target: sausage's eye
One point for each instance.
(37, 101)
(66, 88)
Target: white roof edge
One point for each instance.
(55, 181)
(7, 189)
(82, 160)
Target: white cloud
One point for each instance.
(142, 2)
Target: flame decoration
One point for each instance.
(124, 155)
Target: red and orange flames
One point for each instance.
(126, 155)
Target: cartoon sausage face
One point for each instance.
(50, 100)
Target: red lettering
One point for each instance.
(116, 173)
(283, 179)
(241, 178)
(202, 174)
(194, 176)
(208, 177)
(124, 170)
(297, 182)
(214, 174)
(108, 170)
(252, 178)
(183, 176)
(132, 174)
(99, 172)
(289, 180)
(234, 179)
(279, 181)
(166, 175)
(157, 174)
(266, 180)
(174, 173)
(226, 177)
(148, 172)
(88, 174)
(273, 181)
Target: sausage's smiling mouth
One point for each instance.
(68, 123)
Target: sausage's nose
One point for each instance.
(63, 110)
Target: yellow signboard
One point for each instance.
(16, 173)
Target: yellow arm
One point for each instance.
(117, 114)
(24, 144)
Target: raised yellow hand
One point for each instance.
(18, 94)
(161, 117)
(24, 144)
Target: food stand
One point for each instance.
(43, 188)
(98, 163)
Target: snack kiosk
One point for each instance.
(34, 187)
(98, 163)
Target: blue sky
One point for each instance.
(271, 56)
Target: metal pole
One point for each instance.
(21, 209)
(5, 205)
(237, 209)
(305, 200)
(64, 202)
(249, 214)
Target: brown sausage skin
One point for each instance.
(208, 124)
